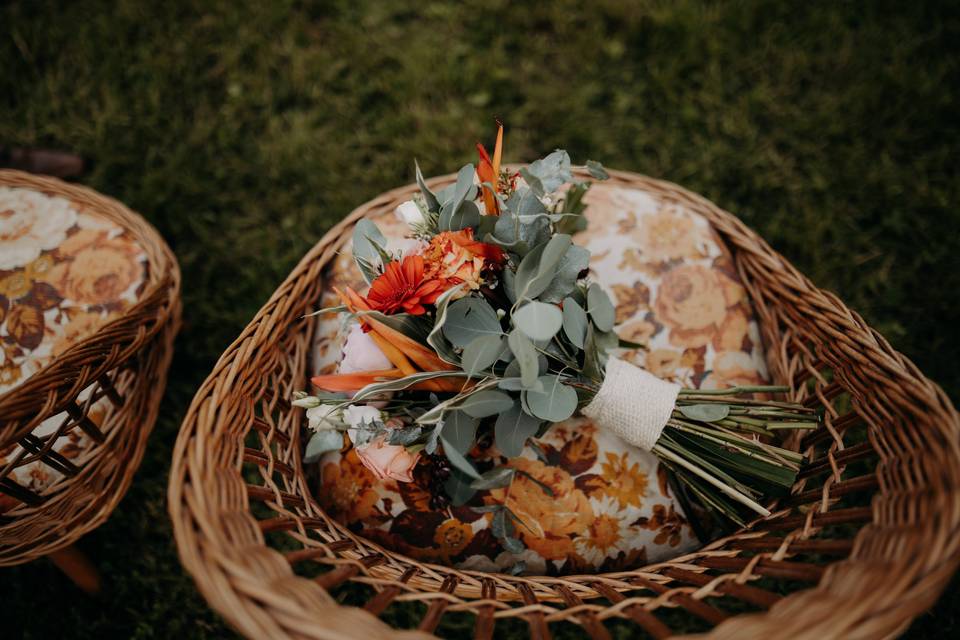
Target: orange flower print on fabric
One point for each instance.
(404, 287)
(666, 522)
(347, 489)
(96, 269)
(695, 303)
(626, 481)
(669, 235)
(452, 537)
(547, 522)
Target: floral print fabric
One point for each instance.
(64, 273)
(609, 506)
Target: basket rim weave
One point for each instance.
(212, 525)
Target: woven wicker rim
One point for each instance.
(815, 344)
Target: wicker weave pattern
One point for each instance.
(126, 362)
(878, 507)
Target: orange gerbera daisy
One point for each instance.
(402, 288)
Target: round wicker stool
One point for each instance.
(866, 541)
(89, 305)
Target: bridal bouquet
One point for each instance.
(488, 320)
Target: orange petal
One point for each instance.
(498, 151)
(353, 381)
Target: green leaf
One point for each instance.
(498, 525)
(469, 318)
(574, 322)
(555, 403)
(538, 267)
(404, 436)
(458, 488)
(459, 430)
(433, 439)
(486, 403)
(516, 384)
(512, 429)
(538, 320)
(467, 215)
(514, 546)
(494, 479)
(535, 184)
(482, 352)
(526, 355)
(600, 308)
(436, 337)
(428, 196)
(705, 412)
(457, 460)
(552, 171)
(461, 192)
(596, 170)
(575, 261)
(320, 443)
(366, 238)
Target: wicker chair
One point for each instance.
(117, 371)
(866, 541)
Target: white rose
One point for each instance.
(361, 353)
(323, 417)
(358, 414)
(410, 213)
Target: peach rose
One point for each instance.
(663, 363)
(548, 521)
(97, 269)
(388, 461)
(696, 303)
(31, 222)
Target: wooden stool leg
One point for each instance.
(78, 568)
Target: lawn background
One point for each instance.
(244, 130)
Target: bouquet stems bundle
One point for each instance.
(487, 320)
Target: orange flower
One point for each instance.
(488, 170)
(405, 287)
(456, 256)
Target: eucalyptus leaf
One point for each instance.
(433, 439)
(469, 318)
(514, 546)
(464, 186)
(482, 352)
(436, 337)
(516, 384)
(498, 524)
(535, 184)
(601, 310)
(538, 267)
(485, 403)
(552, 171)
(405, 436)
(400, 384)
(574, 322)
(574, 262)
(320, 443)
(538, 320)
(459, 430)
(555, 403)
(526, 357)
(494, 479)
(596, 170)
(512, 429)
(705, 412)
(366, 238)
(457, 460)
(458, 488)
(467, 215)
(429, 198)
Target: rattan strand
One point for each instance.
(865, 543)
(125, 361)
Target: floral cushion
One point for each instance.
(64, 272)
(609, 506)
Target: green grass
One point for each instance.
(244, 130)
